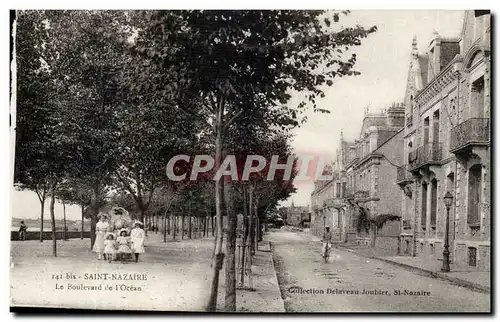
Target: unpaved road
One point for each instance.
(351, 283)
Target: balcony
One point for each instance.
(409, 120)
(348, 194)
(473, 132)
(406, 223)
(425, 155)
(404, 175)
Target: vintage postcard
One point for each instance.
(251, 160)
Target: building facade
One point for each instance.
(328, 200)
(370, 174)
(446, 147)
(297, 216)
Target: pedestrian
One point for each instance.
(110, 246)
(327, 240)
(137, 236)
(22, 231)
(123, 245)
(101, 228)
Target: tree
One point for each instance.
(243, 57)
(32, 107)
(75, 191)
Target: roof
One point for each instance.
(423, 61)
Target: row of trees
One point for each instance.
(106, 98)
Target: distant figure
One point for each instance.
(137, 236)
(326, 240)
(22, 231)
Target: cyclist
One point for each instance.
(326, 240)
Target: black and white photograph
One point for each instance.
(250, 161)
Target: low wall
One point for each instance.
(47, 235)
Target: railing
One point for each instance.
(348, 194)
(407, 223)
(404, 174)
(430, 153)
(362, 194)
(474, 131)
(409, 120)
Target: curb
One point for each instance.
(282, 303)
(425, 272)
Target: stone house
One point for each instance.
(328, 200)
(447, 147)
(297, 216)
(370, 174)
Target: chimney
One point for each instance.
(396, 115)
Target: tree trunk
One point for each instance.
(83, 217)
(65, 237)
(244, 239)
(252, 221)
(182, 228)
(213, 228)
(164, 227)
(219, 205)
(174, 223)
(168, 224)
(232, 222)
(42, 210)
(53, 219)
(190, 222)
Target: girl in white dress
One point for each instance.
(137, 236)
(109, 246)
(123, 245)
(101, 228)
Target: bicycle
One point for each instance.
(326, 254)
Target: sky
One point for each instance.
(382, 59)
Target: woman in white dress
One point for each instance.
(101, 228)
(137, 236)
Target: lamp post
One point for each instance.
(448, 199)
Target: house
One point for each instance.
(297, 216)
(447, 147)
(369, 177)
(328, 200)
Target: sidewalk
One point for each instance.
(178, 277)
(462, 276)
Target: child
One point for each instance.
(109, 247)
(123, 245)
(137, 237)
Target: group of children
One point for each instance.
(123, 246)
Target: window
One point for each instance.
(424, 205)
(472, 255)
(426, 131)
(435, 127)
(477, 98)
(474, 195)
(434, 200)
